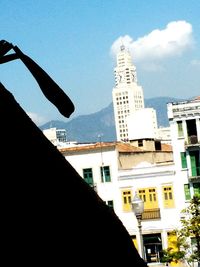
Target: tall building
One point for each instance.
(127, 96)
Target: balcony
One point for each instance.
(192, 141)
(151, 214)
(194, 174)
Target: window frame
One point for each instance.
(105, 174)
(168, 196)
(87, 172)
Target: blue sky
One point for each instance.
(75, 42)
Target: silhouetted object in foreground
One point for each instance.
(49, 88)
(49, 215)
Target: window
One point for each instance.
(149, 196)
(180, 128)
(88, 176)
(105, 174)
(168, 199)
(126, 200)
(194, 160)
(140, 143)
(110, 203)
(187, 191)
(183, 160)
(142, 195)
(196, 187)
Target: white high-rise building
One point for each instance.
(127, 94)
(146, 122)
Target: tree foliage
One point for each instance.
(191, 226)
(187, 244)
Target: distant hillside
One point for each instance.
(86, 128)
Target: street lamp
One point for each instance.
(138, 208)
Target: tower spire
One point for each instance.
(122, 46)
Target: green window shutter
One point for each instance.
(183, 160)
(193, 164)
(187, 191)
(102, 175)
(88, 176)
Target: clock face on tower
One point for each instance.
(132, 76)
(120, 77)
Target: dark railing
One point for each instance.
(192, 140)
(194, 174)
(151, 214)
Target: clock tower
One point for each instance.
(125, 71)
(127, 94)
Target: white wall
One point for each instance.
(142, 124)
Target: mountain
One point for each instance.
(87, 128)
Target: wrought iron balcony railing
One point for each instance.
(192, 141)
(151, 214)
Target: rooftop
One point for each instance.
(121, 147)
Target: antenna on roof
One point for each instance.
(122, 46)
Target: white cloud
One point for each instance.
(152, 67)
(37, 119)
(195, 62)
(158, 44)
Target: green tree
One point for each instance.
(187, 245)
(177, 251)
(191, 227)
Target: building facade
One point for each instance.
(56, 136)
(117, 170)
(184, 119)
